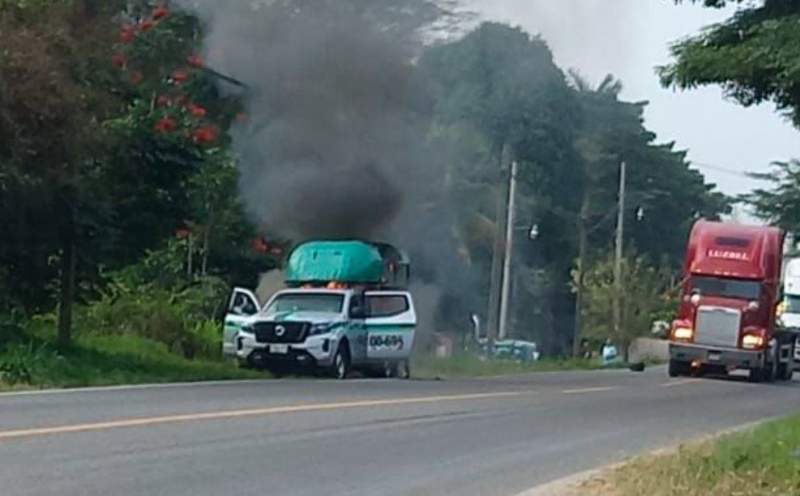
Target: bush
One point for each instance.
(183, 319)
(20, 363)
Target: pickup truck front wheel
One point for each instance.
(678, 368)
(340, 368)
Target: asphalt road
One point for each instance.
(495, 436)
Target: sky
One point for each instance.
(629, 38)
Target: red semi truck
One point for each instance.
(730, 293)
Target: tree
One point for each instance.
(659, 184)
(112, 129)
(754, 56)
(499, 89)
(52, 105)
(779, 205)
(645, 294)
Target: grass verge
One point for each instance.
(427, 367)
(760, 462)
(111, 360)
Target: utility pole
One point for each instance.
(495, 281)
(505, 296)
(619, 251)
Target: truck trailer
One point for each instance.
(731, 290)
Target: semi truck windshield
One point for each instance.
(727, 288)
(312, 302)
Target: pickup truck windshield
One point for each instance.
(727, 288)
(310, 302)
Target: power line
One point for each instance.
(724, 170)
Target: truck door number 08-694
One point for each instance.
(386, 341)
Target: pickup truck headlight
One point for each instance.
(319, 329)
(248, 329)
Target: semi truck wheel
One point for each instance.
(677, 368)
(786, 371)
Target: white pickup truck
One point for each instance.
(328, 330)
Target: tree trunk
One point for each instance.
(206, 248)
(190, 255)
(69, 260)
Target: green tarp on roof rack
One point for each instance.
(354, 262)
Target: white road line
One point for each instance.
(590, 390)
(193, 417)
(681, 383)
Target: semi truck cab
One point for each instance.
(727, 315)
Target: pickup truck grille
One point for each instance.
(716, 326)
(281, 332)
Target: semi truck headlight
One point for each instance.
(683, 333)
(752, 341)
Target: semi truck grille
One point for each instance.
(717, 326)
(280, 332)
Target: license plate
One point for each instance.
(714, 356)
(279, 349)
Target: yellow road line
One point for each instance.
(680, 383)
(590, 390)
(193, 417)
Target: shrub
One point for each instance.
(20, 362)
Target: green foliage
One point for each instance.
(761, 461)
(19, 363)
(780, 204)
(110, 360)
(643, 298)
(754, 56)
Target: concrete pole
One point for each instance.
(619, 251)
(505, 296)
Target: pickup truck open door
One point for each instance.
(242, 305)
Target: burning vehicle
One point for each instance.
(345, 307)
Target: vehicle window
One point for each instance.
(728, 288)
(792, 304)
(308, 302)
(387, 305)
(243, 305)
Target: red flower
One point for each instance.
(166, 125)
(136, 77)
(160, 12)
(164, 101)
(259, 246)
(197, 111)
(195, 61)
(119, 60)
(180, 76)
(205, 134)
(127, 34)
(146, 25)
